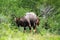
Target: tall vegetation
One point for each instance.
(48, 12)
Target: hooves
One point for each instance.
(34, 31)
(30, 31)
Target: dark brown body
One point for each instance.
(27, 22)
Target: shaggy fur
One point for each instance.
(30, 20)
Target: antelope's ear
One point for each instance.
(38, 18)
(15, 19)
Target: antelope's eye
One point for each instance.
(21, 23)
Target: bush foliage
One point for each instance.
(48, 12)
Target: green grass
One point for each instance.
(7, 33)
(18, 35)
(9, 8)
